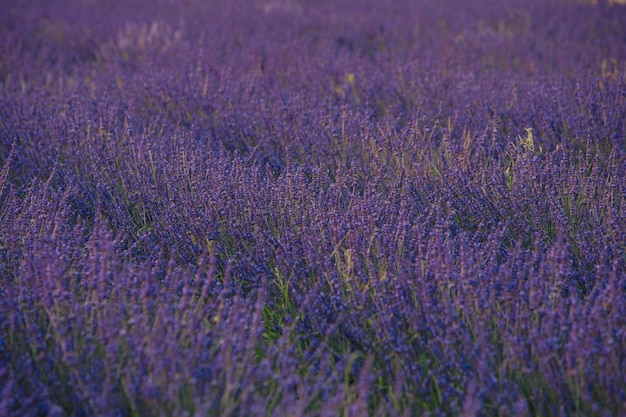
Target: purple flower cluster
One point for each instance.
(312, 208)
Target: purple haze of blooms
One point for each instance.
(312, 208)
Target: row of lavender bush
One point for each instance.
(320, 208)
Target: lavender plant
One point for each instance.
(312, 208)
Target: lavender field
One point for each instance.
(312, 208)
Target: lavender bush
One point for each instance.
(312, 208)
